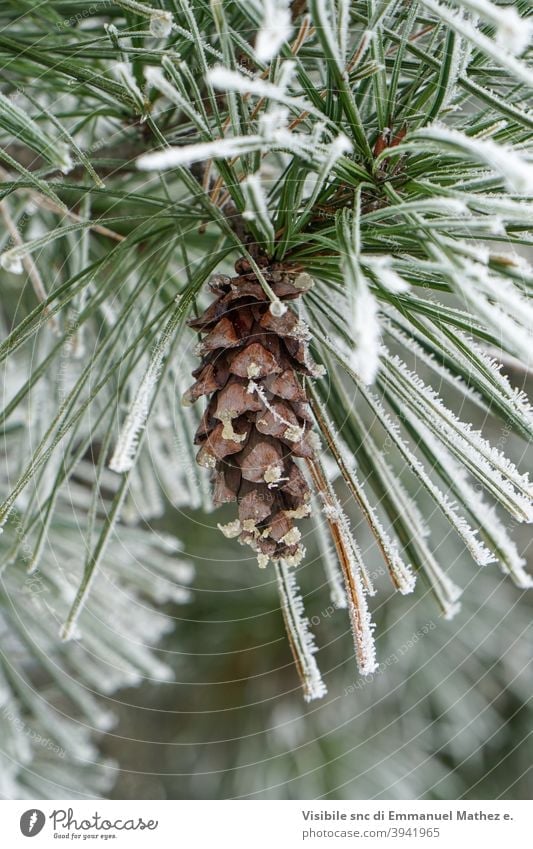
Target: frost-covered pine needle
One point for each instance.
(274, 135)
(515, 169)
(401, 573)
(300, 637)
(276, 29)
(324, 17)
(226, 80)
(513, 32)
(362, 318)
(174, 157)
(491, 48)
(356, 579)
(161, 22)
(124, 72)
(329, 559)
(485, 461)
(155, 78)
(256, 207)
(125, 452)
(490, 524)
(126, 447)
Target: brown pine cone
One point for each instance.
(257, 420)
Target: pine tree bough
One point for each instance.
(380, 149)
(257, 424)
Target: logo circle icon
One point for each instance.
(32, 822)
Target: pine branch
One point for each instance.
(375, 157)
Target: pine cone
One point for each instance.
(257, 421)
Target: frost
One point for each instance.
(300, 637)
(513, 33)
(473, 362)
(126, 448)
(293, 560)
(65, 161)
(323, 14)
(231, 529)
(364, 358)
(293, 433)
(401, 574)
(273, 475)
(11, 261)
(516, 171)
(344, 26)
(329, 561)
(292, 537)
(398, 493)
(361, 317)
(124, 74)
(510, 296)
(155, 78)
(277, 308)
(273, 134)
(362, 627)
(495, 471)
(507, 207)
(354, 576)
(481, 554)
(276, 29)
(125, 451)
(493, 49)
(384, 273)
(173, 157)
(511, 562)
(516, 398)
(477, 549)
(161, 24)
(411, 340)
(366, 40)
(256, 207)
(227, 80)
(273, 121)
(498, 301)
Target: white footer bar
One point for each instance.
(267, 824)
